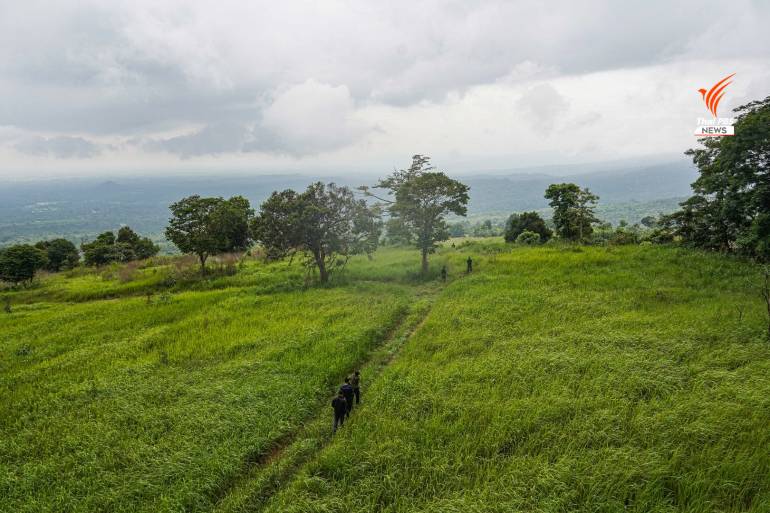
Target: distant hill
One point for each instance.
(78, 209)
(525, 191)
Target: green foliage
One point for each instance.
(19, 263)
(126, 247)
(61, 253)
(208, 226)
(326, 223)
(526, 221)
(573, 210)
(422, 198)
(528, 238)
(730, 210)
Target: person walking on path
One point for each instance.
(355, 382)
(470, 265)
(347, 391)
(443, 274)
(339, 404)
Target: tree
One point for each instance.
(730, 208)
(141, 247)
(19, 263)
(649, 221)
(208, 226)
(60, 253)
(420, 199)
(127, 246)
(324, 223)
(526, 221)
(573, 210)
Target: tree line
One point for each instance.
(326, 224)
(20, 262)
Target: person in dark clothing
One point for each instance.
(470, 265)
(443, 274)
(355, 382)
(340, 406)
(347, 391)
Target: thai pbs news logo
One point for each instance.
(716, 126)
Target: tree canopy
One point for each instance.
(573, 210)
(326, 223)
(19, 263)
(419, 200)
(61, 254)
(209, 226)
(124, 247)
(730, 207)
(526, 221)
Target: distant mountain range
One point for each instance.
(79, 209)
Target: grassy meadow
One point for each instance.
(551, 379)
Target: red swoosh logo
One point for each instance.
(715, 94)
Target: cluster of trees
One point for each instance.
(326, 224)
(19, 263)
(730, 210)
(126, 246)
(573, 217)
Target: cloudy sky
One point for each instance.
(135, 86)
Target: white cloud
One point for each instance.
(307, 84)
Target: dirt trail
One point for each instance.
(266, 472)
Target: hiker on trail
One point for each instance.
(443, 274)
(355, 382)
(340, 409)
(347, 391)
(470, 265)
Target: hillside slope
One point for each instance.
(632, 379)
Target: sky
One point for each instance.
(139, 87)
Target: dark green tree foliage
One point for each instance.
(19, 263)
(326, 223)
(209, 226)
(573, 210)
(420, 199)
(127, 246)
(141, 247)
(730, 210)
(526, 221)
(61, 254)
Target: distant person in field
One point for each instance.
(347, 390)
(470, 265)
(355, 382)
(443, 274)
(340, 406)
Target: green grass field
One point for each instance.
(551, 379)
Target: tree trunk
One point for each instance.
(323, 274)
(202, 257)
(424, 261)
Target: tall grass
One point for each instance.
(565, 379)
(125, 405)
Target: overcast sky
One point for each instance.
(94, 87)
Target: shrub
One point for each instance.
(529, 238)
(526, 221)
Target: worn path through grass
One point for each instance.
(264, 475)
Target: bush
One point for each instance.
(529, 238)
(526, 221)
(622, 237)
